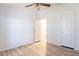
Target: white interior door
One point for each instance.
(43, 30)
(40, 30)
(37, 31)
(67, 29)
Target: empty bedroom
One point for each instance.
(39, 29)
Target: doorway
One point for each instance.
(40, 30)
(43, 30)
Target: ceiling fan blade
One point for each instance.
(29, 5)
(44, 4)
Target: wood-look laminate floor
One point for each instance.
(39, 49)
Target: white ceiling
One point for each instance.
(14, 4)
(24, 4)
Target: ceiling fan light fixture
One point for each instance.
(38, 5)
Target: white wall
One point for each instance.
(51, 16)
(55, 15)
(16, 26)
(76, 40)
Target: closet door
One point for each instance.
(67, 29)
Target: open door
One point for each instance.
(37, 31)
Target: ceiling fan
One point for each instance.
(38, 5)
